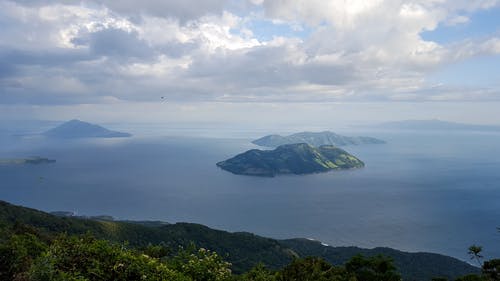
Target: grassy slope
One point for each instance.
(315, 139)
(243, 250)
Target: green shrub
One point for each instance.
(258, 273)
(201, 264)
(377, 268)
(17, 254)
(86, 258)
(313, 269)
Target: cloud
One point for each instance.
(115, 43)
(63, 52)
(456, 20)
(183, 10)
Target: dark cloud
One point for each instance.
(329, 74)
(259, 67)
(268, 66)
(53, 57)
(116, 43)
(184, 10)
(177, 49)
(7, 69)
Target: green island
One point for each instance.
(29, 160)
(35, 245)
(315, 139)
(299, 158)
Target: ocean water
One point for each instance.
(436, 192)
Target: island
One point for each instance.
(315, 139)
(80, 129)
(30, 160)
(300, 158)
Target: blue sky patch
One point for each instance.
(481, 24)
(479, 71)
(265, 30)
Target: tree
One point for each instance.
(475, 253)
(491, 269)
(201, 264)
(471, 277)
(16, 255)
(377, 268)
(258, 273)
(313, 269)
(86, 258)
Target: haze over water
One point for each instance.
(431, 191)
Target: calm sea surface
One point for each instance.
(437, 192)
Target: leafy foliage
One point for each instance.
(37, 246)
(244, 250)
(86, 258)
(314, 269)
(17, 253)
(258, 273)
(202, 264)
(491, 269)
(471, 277)
(475, 253)
(378, 268)
(411, 266)
(83, 257)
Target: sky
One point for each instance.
(328, 62)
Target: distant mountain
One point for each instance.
(244, 250)
(435, 124)
(299, 158)
(79, 129)
(315, 139)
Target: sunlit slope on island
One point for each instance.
(296, 159)
(315, 139)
